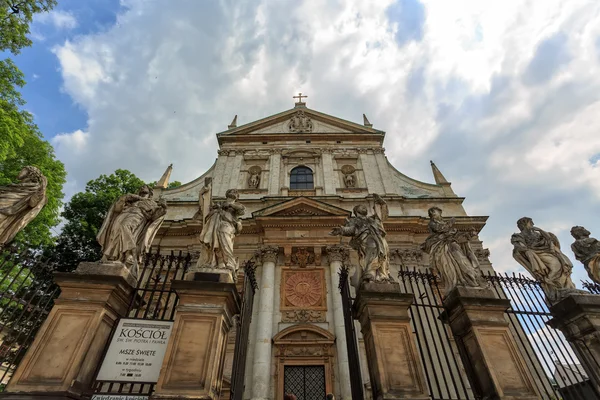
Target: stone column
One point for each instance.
(578, 317)
(274, 171)
(62, 360)
(496, 367)
(394, 363)
(261, 370)
(337, 254)
(195, 356)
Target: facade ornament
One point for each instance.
(368, 239)
(303, 316)
(339, 253)
(587, 251)
(409, 256)
(362, 150)
(302, 257)
(450, 253)
(539, 253)
(482, 255)
(254, 179)
(221, 225)
(129, 228)
(275, 150)
(303, 290)
(267, 254)
(232, 153)
(349, 177)
(300, 123)
(21, 202)
(222, 152)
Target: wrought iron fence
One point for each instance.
(555, 369)
(243, 329)
(153, 300)
(592, 287)
(27, 293)
(444, 372)
(351, 339)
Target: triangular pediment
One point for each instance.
(301, 207)
(301, 120)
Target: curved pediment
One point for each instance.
(301, 207)
(304, 333)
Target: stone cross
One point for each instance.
(299, 97)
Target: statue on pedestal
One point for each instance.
(539, 253)
(587, 250)
(221, 225)
(368, 239)
(129, 228)
(21, 202)
(450, 253)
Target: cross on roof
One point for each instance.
(299, 97)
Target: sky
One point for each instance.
(503, 95)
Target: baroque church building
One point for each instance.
(299, 174)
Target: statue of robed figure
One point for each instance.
(221, 224)
(129, 228)
(21, 202)
(539, 253)
(587, 250)
(368, 239)
(450, 253)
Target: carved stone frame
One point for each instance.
(303, 344)
(285, 272)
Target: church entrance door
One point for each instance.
(307, 382)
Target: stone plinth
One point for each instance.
(394, 365)
(490, 354)
(195, 356)
(62, 360)
(578, 317)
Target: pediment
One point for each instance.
(301, 207)
(299, 120)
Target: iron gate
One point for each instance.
(27, 294)
(153, 300)
(306, 382)
(243, 329)
(356, 383)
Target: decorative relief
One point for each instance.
(300, 351)
(349, 176)
(338, 253)
(302, 257)
(267, 254)
(254, 178)
(303, 290)
(482, 254)
(303, 316)
(300, 123)
(409, 256)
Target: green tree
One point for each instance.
(15, 18)
(84, 215)
(171, 185)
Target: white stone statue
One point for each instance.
(21, 202)
(349, 180)
(539, 253)
(129, 228)
(368, 239)
(450, 253)
(221, 225)
(587, 250)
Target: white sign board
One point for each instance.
(136, 351)
(118, 397)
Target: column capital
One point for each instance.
(338, 252)
(267, 253)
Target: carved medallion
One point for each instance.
(300, 123)
(303, 290)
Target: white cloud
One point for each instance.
(163, 80)
(61, 20)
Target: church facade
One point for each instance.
(299, 174)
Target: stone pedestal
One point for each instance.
(578, 317)
(495, 366)
(195, 356)
(394, 365)
(62, 360)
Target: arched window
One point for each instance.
(301, 178)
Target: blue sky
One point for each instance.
(503, 96)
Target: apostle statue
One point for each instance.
(450, 253)
(539, 253)
(368, 239)
(221, 225)
(587, 250)
(129, 228)
(21, 202)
